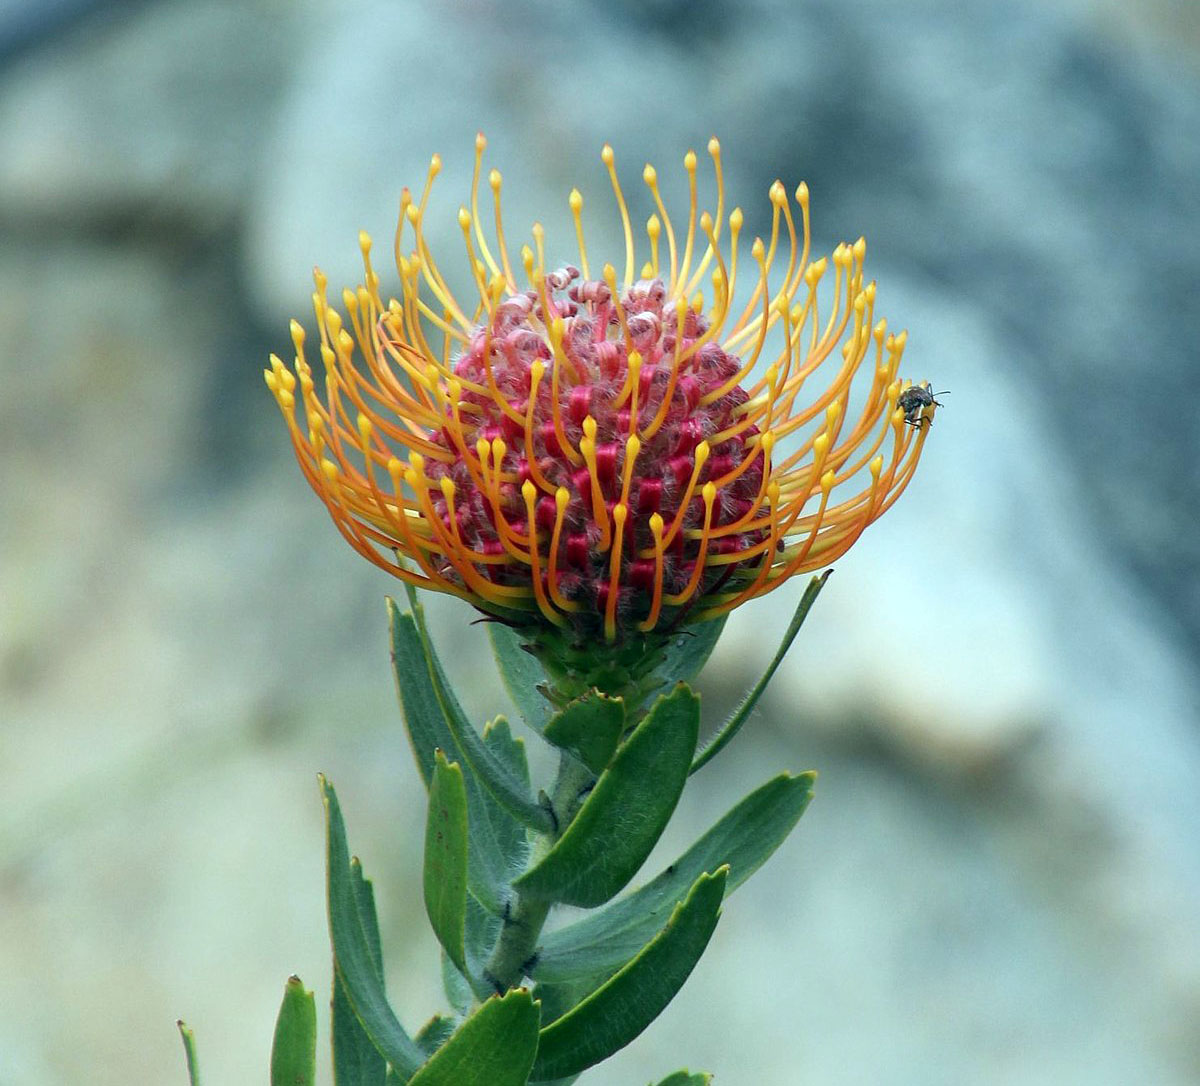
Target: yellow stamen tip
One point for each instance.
(528, 490)
(494, 180)
(448, 488)
(606, 154)
(464, 218)
(330, 470)
(828, 478)
(619, 513)
(650, 174)
(435, 165)
(576, 200)
(736, 218)
(876, 466)
(714, 147)
(480, 142)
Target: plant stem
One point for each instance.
(522, 925)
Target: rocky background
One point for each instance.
(999, 881)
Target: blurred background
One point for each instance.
(999, 880)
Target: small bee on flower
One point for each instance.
(917, 402)
(605, 454)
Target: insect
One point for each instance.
(917, 402)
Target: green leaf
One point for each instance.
(356, 1060)
(620, 1009)
(445, 876)
(505, 789)
(294, 1050)
(683, 1078)
(353, 958)
(189, 1051)
(521, 674)
(625, 814)
(743, 839)
(494, 1047)
(498, 841)
(435, 1033)
(733, 725)
(589, 728)
(689, 651)
(509, 749)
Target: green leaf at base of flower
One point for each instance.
(294, 1048)
(685, 1078)
(521, 674)
(621, 1008)
(741, 714)
(497, 839)
(626, 812)
(589, 728)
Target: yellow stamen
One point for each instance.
(614, 576)
(607, 156)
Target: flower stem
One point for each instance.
(515, 950)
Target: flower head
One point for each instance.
(604, 453)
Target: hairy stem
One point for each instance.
(516, 945)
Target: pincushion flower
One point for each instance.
(604, 455)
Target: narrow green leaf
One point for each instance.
(733, 725)
(445, 875)
(189, 1051)
(353, 958)
(356, 1061)
(684, 1078)
(620, 1009)
(505, 789)
(521, 674)
(743, 839)
(435, 1033)
(689, 651)
(510, 749)
(625, 814)
(590, 728)
(456, 986)
(498, 841)
(294, 1049)
(494, 1047)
